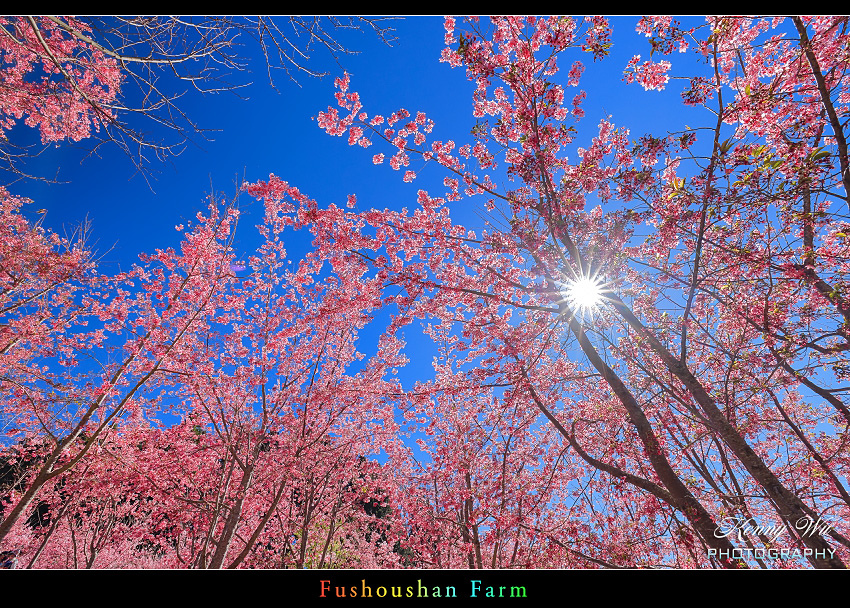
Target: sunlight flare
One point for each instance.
(584, 293)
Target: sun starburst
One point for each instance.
(584, 293)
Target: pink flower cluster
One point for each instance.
(650, 74)
(66, 94)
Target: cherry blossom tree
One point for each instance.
(257, 357)
(703, 294)
(489, 489)
(269, 382)
(138, 332)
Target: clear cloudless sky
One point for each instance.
(263, 130)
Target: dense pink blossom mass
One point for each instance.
(62, 84)
(642, 351)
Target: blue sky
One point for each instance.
(262, 130)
